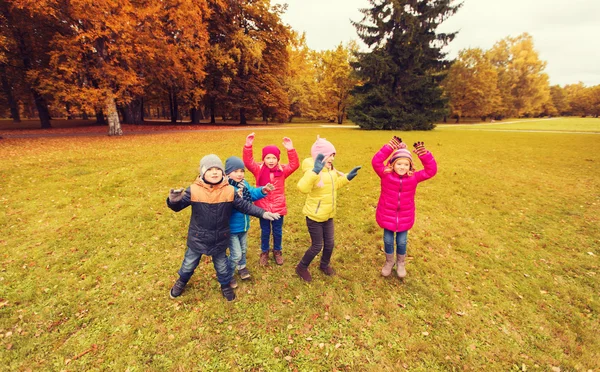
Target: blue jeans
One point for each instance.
(401, 240)
(265, 234)
(191, 259)
(238, 246)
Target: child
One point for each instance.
(320, 182)
(212, 200)
(396, 206)
(271, 171)
(239, 223)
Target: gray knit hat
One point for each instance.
(233, 163)
(210, 161)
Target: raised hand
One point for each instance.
(419, 148)
(287, 143)
(353, 173)
(175, 195)
(319, 163)
(271, 216)
(250, 140)
(395, 142)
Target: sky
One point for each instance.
(566, 34)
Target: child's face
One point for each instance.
(402, 166)
(329, 161)
(237, 175)
(270, 160)
(213, 175)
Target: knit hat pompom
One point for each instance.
(321, 146)
(233, 163)
(271, 149)
(210, 161)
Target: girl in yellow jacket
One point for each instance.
(320, 182)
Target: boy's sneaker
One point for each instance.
(228, 293)
(303, 273)
(233, 283)
(177, 289)
(278, 256)
(329, 271)
(264, 258)
(244, 273)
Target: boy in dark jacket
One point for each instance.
(212, 200)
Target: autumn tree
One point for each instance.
(338, 80)
(258, 85)
(559, 99)
(471, 85)
(402, 71)
(301, 82)
(524, 86)
(580, 99)
(26, 39)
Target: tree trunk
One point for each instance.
(42, 108)
(195, 115)
(68, 109)
(212, 111)
(100, 119)
(243, 116)
(12, 102)
(132, 113)
(114, 126)
(85, 116)
(173, 105)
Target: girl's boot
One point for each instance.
(400, 269)
(389, 264)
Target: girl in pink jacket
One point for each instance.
(270, 170)
(396, 206)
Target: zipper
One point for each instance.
(398, 208)
(332, 192)
(318, 205)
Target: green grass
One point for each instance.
(546, 124)
(502, 274)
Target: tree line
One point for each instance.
(129, 60)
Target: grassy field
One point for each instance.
(545, 124)
(502, 274)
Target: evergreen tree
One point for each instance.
(401, 73)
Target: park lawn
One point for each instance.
(570, 124)
(502, 273)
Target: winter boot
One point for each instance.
(264, 258)
(233, 283)
(303, 273)
(327, 270)
(278, 256)
(244, 273)
(177, 289)
(228, 293)
(400, 269)
(388, 266)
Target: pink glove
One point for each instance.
(420, 149)
(395, 143)
(250, 139)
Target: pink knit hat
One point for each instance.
(321, 146)
(402, 152)
(271, 149)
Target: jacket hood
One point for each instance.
(307, 164)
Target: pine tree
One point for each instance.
(401, 73)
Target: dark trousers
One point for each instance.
(322, 238)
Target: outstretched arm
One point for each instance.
(428, 161)
(179, 199)
(248, 157)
